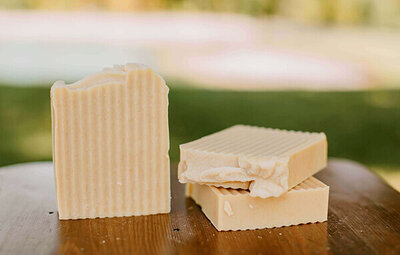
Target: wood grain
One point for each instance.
(364, 218)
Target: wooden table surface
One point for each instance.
(364, 218)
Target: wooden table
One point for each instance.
(364, 218)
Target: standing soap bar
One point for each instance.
(110, 144)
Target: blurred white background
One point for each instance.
(214, 50)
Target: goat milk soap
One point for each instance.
(230, 209)
(110, 144)
(266, 161)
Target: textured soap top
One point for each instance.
(309, 184)
(254, 141)
(267, 161)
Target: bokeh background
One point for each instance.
(312, 65)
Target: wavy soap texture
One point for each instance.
(110, 144)
(231, 209)
(266, 161)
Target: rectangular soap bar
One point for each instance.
(110, 144)
(230, 209)
(266, 161)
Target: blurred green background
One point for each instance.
(361, 116)
(360, 125)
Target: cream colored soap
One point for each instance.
(267, 161)
(230, 209)
(110, 144)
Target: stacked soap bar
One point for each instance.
(231, 209)
(267, 167)
(110, 144)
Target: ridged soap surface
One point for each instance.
(230, 209)
(110, 144)
(310, 184)
(253, 141)
(267, 161)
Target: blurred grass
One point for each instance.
(25, 125)
(361, 125)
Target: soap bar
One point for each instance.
(110, 144)
(232, 185)
(267, 161)
(230, 209)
